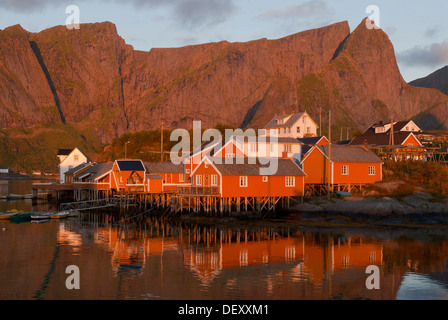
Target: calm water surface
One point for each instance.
(151, 258)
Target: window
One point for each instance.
(181, 177)
(253, 147)
(243, 181)
(344, 170)
(308, 129)
(298, 129)
(289, 129)
(187, 170)
(371, 170)
(265, 178)
(407, 128)
(199, 180)
(205, 165)
(76, 157)
(287, 148)
(214, 181)
(290, 181)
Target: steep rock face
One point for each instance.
(221, 82)
(25, 96)
(362, 84)
(436, 80)
(85, 67)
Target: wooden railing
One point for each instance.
(198, 191)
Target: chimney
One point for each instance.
(365, 145)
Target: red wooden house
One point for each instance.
(350, 165)
(244, 178)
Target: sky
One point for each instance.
(418, 29)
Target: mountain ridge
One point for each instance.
(94, 83)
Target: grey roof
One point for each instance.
(293, 119)
(252, 166)
(344, 153)
(78, 167)
(163, 167)
(99, 170)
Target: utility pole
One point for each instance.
(161, 144)
(329, 154)
(126, 149)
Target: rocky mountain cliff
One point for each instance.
(437, 80)
(90, 84)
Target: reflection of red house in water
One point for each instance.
(314, 260)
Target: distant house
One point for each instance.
(69, 159)
(350, 165)
(402, 133)
(245, 179)
(296, 125)
(4, 170)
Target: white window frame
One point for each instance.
(199, 180)
(181, 177)
(214, 180)
(344, 170)
(290, 181)
(243, 181)
(371, 170)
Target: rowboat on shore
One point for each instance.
(343, 194)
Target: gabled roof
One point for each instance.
(130, 165)
(293, 118)
(77, 168)
(344, 153)
(99, 170)
(73, 150)
(163, 167)
(253, 166)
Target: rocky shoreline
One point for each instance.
(419, 208)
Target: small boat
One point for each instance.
(21, 217)
(60, 215)
(15, 197)
(343, 194)
(41, 215)
(8, 214)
